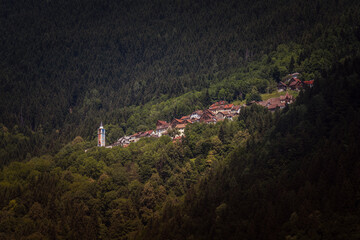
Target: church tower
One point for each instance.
(101, 136)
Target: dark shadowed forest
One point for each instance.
(65, 66)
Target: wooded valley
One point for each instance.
(65, 66)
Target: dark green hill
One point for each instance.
(95, 57)
(298, 179)
(67, 65)
(292, 174)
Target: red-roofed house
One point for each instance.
(235, 109)
(161, 127)
(309, 83)
(219, 103)
(272, 103)
(216, 109)
(287, 98)
(227, 108)
(279, 102)
(218, 106)
(197, 114)
(185, 117)
(181, 128)
(176, 122)
(295, 84)
(208, 117)
(273, 107)
(148, 133)
(229, 116)
(135, 137)
(220, 116)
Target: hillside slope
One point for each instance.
(296, 180)
(292, 174)
(67, 65)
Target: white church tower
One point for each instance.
(101, 136)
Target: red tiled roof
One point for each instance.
(286, 96)
(219, 103)
(271, 101)
(210, 120)
(209, 113)
(143, 135)
(192, 120)
(180, 126)
(161, 124)
(176, 122)
(236, 107)
(137, 134)
(309, 82)
(148, 132)
(274, 106)
(297, 81)
(228, 106)
(185, 117)
(216, 107)
(219, 117)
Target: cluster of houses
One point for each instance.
(280, 102)
(294, 83)
(218, 111)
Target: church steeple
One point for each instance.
(101, 136)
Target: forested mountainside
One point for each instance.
(297, 176)
(292, 174)
(67, 65)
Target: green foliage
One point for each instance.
(113, 133)
(131, 74)
(253, 96)
(221, 175)
(113, 192)
(288, 175)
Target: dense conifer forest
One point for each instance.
(65, 66)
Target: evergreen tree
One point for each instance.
(291, 65)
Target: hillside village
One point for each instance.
(218, 111)
(293, 82)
